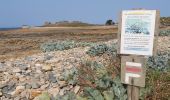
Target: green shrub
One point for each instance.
(70, 75)
(100, 49)
(62, 45)
(67, 96)
(100, 83)
(157, 87)
(159, 62)
(97, 50)
(164, 33)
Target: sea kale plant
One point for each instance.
(164, 33)
(101, 82)
(63, 45)
(100, 49)
(160, 62)
(98, 82)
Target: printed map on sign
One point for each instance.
(137, 26)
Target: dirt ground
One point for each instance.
(16, 43)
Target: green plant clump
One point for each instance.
(164, 33)
(100, 49)
(99, 82)
(67, 96)
(160, 62)
(62, 45)
(70, 76)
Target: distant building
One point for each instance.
(25, 26)
(47, 23)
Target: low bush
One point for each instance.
(100, 49)
(164, 33)
(160, 62)
(98, 82)
(62, 45)
(101, 82)
(157, 87)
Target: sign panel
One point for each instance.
(137, 32)
(133, 70)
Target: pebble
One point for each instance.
(17, 70)
(24, 66)
(1, 94)
(43, 87)
(47, 68)
(47, 57)
(43, 96)
(34, 93)
(38, 65)
(18, 90)
(7, 96)
(35, 85)
(52, 78)
(28, 86)
(76, 89)
(2, 85)
(62, 84)
(54, 91)
(9, 88)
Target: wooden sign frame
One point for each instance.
(133, 70)
(133, 60)
(156, 33)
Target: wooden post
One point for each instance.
(133, 92)
(133, 68)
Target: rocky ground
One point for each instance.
(26, 72)
(27, 77)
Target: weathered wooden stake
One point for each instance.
(133, 92)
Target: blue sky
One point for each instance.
(14, 13)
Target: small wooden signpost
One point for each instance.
(137, 38)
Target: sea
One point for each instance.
(6, 29)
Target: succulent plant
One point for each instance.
(100, 49)
(63, 45)
(164, 33)
(160, 62)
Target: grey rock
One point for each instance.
(7, 95)
(28, 86)
(76, 89)
(24, 66)
(2, 67)
(35, 85)
(17, 98)
(2, 64)
(9, 88)
(2, 85)
(30, 59)
(1, 94)
(43, 87)
(47, 57)
(61, 78)
(52, 78)
(62, 84)
(62, 91)
(17, 70)
(47, 68)
(25, 95)
(52, 98)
